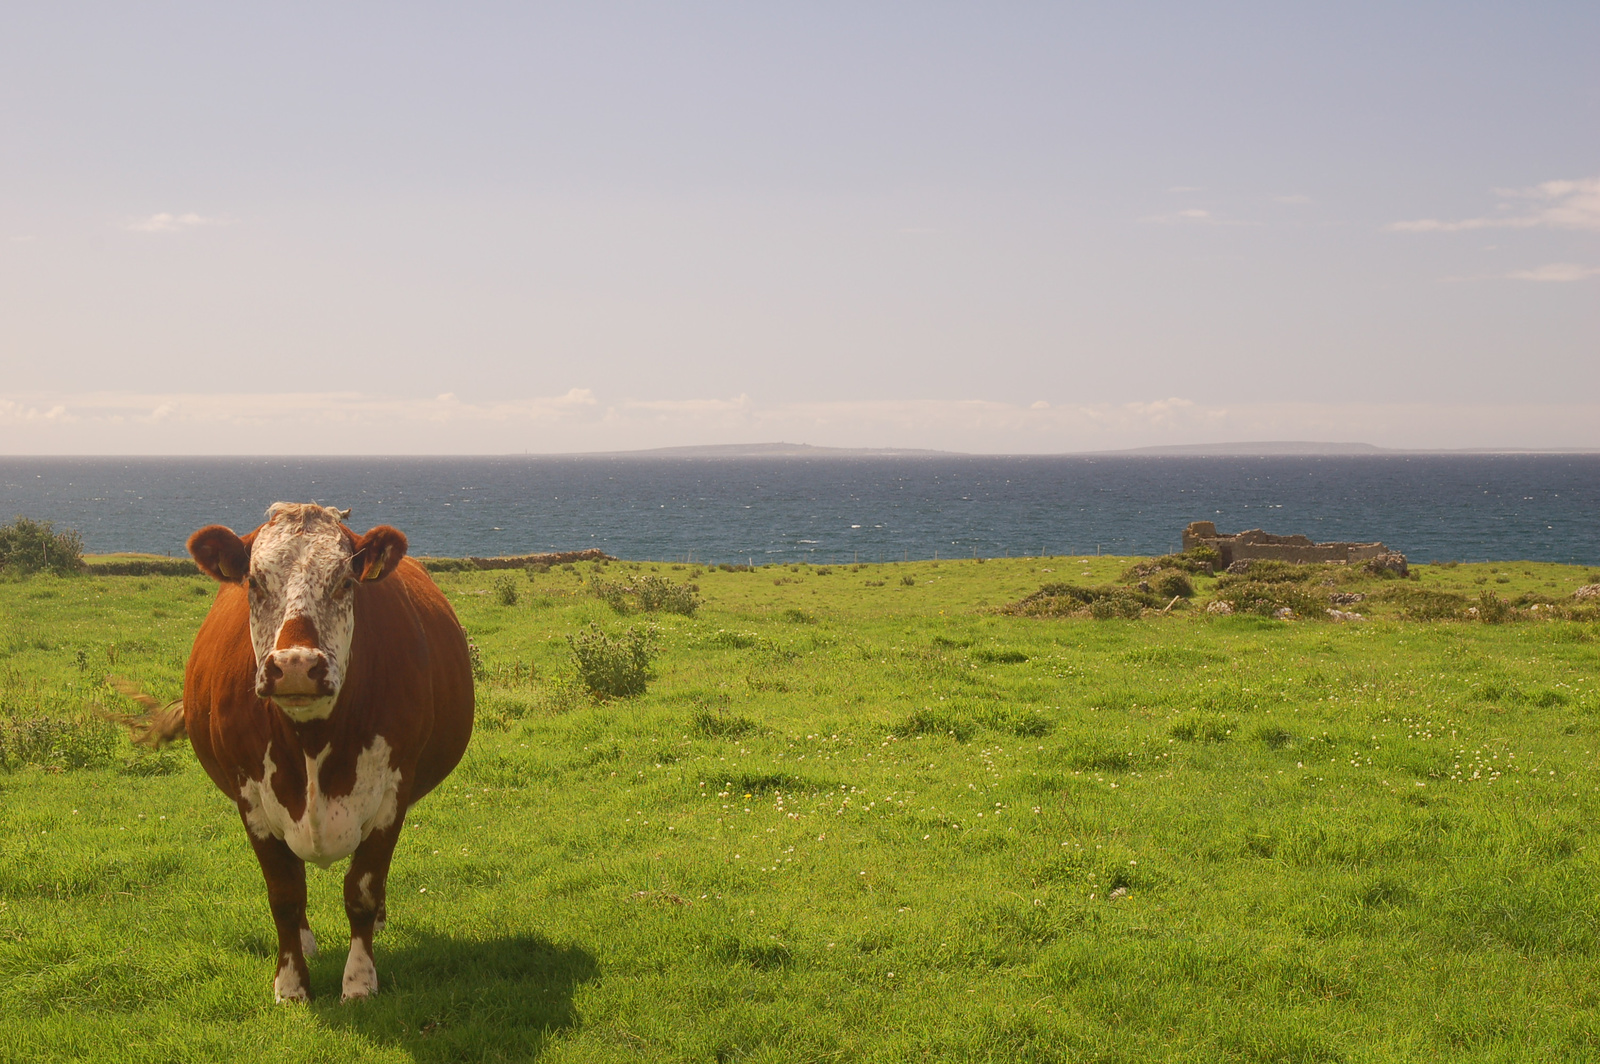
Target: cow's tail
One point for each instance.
(157, 725)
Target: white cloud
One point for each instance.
(579, 421)
(1193, 215)
(1555, 271)
(1552, 205)
(170, 223)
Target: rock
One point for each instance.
(1393, 562)
(1283, 613)
(1345, 598)
(1587, 591)
(1341, 616)
(1240, 566)
(1220, 608)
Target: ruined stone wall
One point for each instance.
(1256, 545)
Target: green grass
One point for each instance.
(855, 819)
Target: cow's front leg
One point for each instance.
(286, 894)
(365, 893)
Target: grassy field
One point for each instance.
(859, 815)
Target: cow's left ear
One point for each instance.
(378, 552)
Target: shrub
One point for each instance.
(1174, 584)
(908, 580)
(1124, 605)
(1194, 560)
(1492, 609)
(31, 546)
(1264, 571)
(614, 668)
(1266, 599)
(1062, 600)
(55, 743)
(658, 594)
(611, 593)
(1417, 604)
(505, 589)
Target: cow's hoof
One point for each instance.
(288, 986)
(360, 975)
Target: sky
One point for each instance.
(1001, 228)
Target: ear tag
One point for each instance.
(375, 567)
(226, 570)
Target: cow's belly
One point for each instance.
(330, 828)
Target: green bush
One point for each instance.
(1125, 605)
(1418, 604)
(1266, 599)
(1060, 600)
(505, 589)
(1174, 584)
(614, 667)
(611, 593)
(658, 594)
(1492, 609)
(33, 546)
(56, 743)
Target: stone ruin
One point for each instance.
(1256, 545)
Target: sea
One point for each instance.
(841, 509)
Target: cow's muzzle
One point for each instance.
(294, 676)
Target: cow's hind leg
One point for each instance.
(365, 896)
(286, 894)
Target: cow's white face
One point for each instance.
(302, 569)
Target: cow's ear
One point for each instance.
(220, 553)
(378, 552)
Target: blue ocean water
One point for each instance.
(1444, 507)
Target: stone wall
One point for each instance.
(1256, 545)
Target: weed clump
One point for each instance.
(927, 721)
(1195, 561)
(505, 590)
(1491, 608)
(35, 546)
(1419, 604)
(1267, 599)
(716, 724)
(908, 580)
(1202, 726)
(1073, 600)
(614, 667)
(651, 593)
(53, 742)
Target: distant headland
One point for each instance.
(1241, 449)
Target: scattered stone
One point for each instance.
(1587, 591)
(1345, 598)
(1283, 613)
(1240, 566)
(1120, 892)
(1341, 615)
(1220, 608)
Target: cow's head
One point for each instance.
(303, 569)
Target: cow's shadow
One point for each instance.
(444, 998)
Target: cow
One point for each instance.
(329, 688)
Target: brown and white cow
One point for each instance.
(329, 688)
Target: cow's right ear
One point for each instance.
(223, 555)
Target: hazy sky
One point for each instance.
(312, 228)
